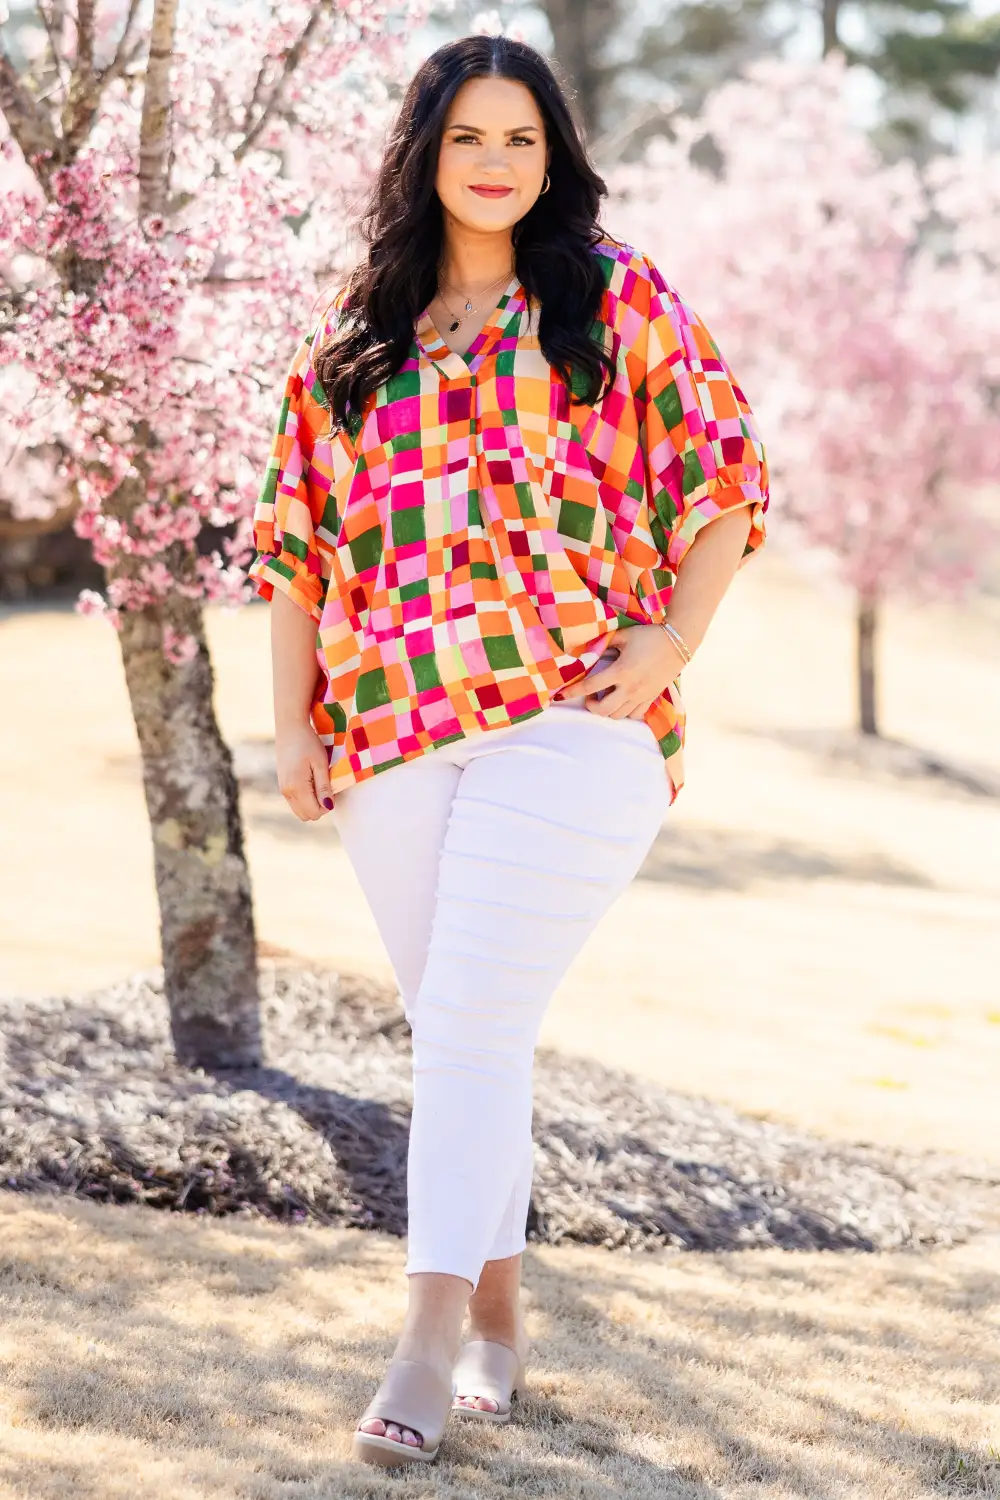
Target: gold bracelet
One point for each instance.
(677, 639)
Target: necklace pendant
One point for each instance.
(453, 326)
(468, 307)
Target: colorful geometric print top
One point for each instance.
(472, 548)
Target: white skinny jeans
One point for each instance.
(487, 863)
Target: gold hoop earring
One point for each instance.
(547, 185)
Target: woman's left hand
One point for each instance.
(648, 660)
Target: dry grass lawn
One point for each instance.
(145, 1354)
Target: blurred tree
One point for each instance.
(925, 53)
(633, 63)
(158, 254)
(629, 62)
(857, 302)
(937, 45)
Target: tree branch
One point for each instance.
(85, 13)
(154, 128)
(609, 147)
(254, 99)
(120, 60)
(57, 61)
(292, 59)
(84, 91)
(31, 127)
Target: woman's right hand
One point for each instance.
(303, 771)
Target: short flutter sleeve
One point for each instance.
(704, 454)
(295, 521)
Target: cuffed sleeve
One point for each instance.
(295, 522)
(704, 454)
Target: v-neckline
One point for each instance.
(447, 359)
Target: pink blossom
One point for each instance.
(856, 302)
(178, 648)
(156, 377)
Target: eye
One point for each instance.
(458, 140)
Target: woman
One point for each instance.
(498, 454)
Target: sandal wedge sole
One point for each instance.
(369, 1448)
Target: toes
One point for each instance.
(392, 1430)
(478, 1403)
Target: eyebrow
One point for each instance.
(514, 130)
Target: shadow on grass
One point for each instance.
(722, 859)
(847, 752)
(654, 1366)
(206, 1394)
(701, 858)
(93, 1102)
(368, 1138)
(259, 1410)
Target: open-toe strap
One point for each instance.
(412, 1395)
(488, 1370)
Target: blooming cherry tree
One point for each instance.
(175, 184)
(855, 300)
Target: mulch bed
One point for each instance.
(92, 1102)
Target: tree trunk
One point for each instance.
(866, 623)
(580, 30)
(154, 126)
(202, 881)
(830, 11)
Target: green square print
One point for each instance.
(399, 387)
(501, 651)
(425, 672)
(525, 499)
(366, 549)
(668, 404)
(694, 474)
(576, 520)
(415, 590)
(372, 690)
(408, 525)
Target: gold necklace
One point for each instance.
(468, 301)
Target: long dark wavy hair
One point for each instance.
(402, 224)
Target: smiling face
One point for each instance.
(492, 161)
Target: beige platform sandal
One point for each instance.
(411, 1395)
(491, 1371)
